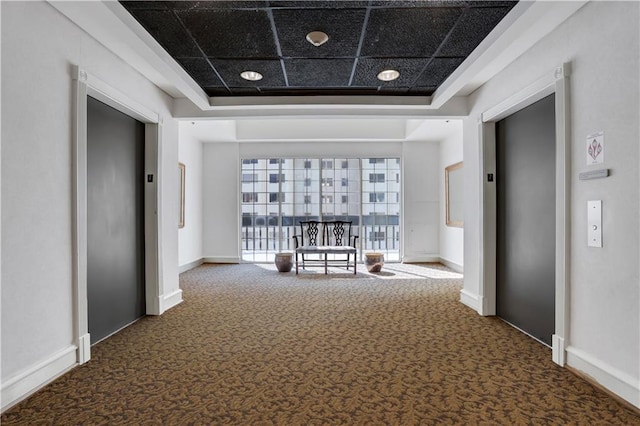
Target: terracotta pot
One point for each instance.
(374, 261)
(284, 261)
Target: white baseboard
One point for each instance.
(484, 309)
(221, 260)
(170, 300)
(453, 265)
(188, 266)
(471, 300)
(558, 350)
(84, 349)
(612, 379)
(420, 258)
(20, 386)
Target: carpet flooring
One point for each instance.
(251, 346)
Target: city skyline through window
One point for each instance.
(282, 192)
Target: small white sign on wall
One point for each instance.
(595, 148)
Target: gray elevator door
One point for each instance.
(115, 219)
(525, 178)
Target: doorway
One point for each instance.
(115, 220)
(526, 219)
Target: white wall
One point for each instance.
(190, 153)
(420, 214)
(601, 42)
(39, 48)
(451, 238)
(220, 198)
(221, 182)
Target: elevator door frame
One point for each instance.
(85, 85)
(555, 82)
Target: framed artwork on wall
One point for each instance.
(182, 169)
(454, 195)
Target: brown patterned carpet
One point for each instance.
(249, 346)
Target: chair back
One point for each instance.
(311, 233)
(337, 233)
(329, 233)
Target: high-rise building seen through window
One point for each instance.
(279, 193)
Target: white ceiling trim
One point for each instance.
(343, 130)
(321, 129)
(184, 109)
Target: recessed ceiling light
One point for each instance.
(251, 75)
(388, 75)
(317, 38)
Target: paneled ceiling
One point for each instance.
(215, 41)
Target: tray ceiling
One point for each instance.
(215, 41)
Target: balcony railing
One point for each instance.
(260, 243)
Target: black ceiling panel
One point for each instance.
(216, 91)
(395, 91)
(319, 72)
(437, 71)
(214, 41)
(492, 3)
(422, 90)
(368, 69)
(146, 5)
(408, 32)
(297, 91)
(169, 32)
(201, 71)
(420, 3)
(218, 4)
(343, 27)
(191, 5)
(231, 33)
(245, 91)
(316, 4)
(475, 25)
(230, 69)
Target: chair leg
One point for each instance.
(296, 263)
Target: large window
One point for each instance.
(278, 193)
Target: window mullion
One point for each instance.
(321, 181)
(361, 204)
(280, 198)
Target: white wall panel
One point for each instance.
(220, 195)
(190, 237)
(320, 149)
(451, 238)
(421, 162)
